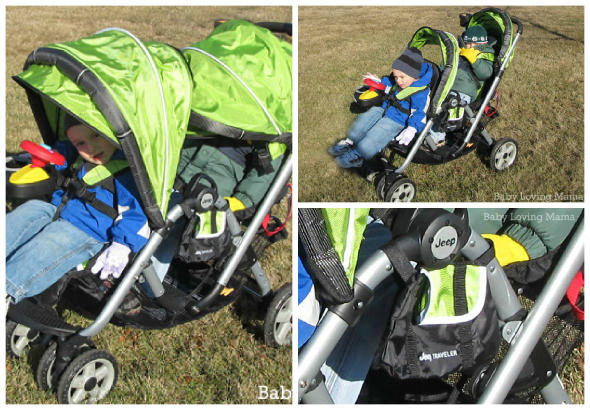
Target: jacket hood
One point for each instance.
(425, 76)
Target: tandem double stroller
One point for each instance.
(145, 98)
(436, 313)
(465, 135)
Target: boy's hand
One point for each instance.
(406, 136)
(112, 261)
(372, 77)
(470, 54)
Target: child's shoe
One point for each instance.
(341, 147)
(350, 159)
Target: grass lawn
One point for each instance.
(541, 106)
(221, 358)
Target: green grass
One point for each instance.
(541, 103)
(221, 358)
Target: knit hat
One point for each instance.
(475, 34)
(69, 122)
(410, 62)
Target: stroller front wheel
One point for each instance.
(88, 378)
(278, 323)
(504, 154)
(18, 338)
(45, 375)
(402, 190)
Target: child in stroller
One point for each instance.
(399, 117)
(151, 139)
(462, 136)
(46, 240)
(475, 65)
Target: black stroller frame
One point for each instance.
(522, 333)
(392, 185)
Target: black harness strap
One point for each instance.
(460, 300)
(73, 186)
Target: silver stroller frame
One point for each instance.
(142, 266)
(522, 335)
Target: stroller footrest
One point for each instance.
(42, 318)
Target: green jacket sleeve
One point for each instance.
(483, 69)
(253, 187)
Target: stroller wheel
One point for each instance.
(278, 323)
(503, 154)
(45, 375)
(18, 338)
(402, 190)
(88, 379)
(380, 187)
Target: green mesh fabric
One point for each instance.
(345, 228)
(438, 298)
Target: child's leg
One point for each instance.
(363, 124)
(46, 257)
(378, 137)
(25, 222)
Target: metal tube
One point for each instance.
(536, 321)
(415, 147)
(505, 298)
(331, 328)
(488, 96)
(277, 187)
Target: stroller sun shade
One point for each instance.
(135, 94)
(242, 83)
(450, 56)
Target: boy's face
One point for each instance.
(402, 79)
(470, 45)
(91, 146)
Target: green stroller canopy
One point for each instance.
(242, 80)
(450, 58)
(135, 94)
(499, 24)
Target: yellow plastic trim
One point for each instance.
(367, 95)
(28, 175)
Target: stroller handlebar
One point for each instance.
(518, 23)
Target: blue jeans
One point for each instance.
(162, 257)
(371, 132)
(39, 251)
(348, 365)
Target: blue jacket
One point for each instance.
(418, 103)
(129, 228)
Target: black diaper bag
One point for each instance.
(444, 321)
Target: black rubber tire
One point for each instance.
(504, 154)
(45, 375)
(278, 323)
(381, 188)
(18, 339)
(89, 378)
(402, 190)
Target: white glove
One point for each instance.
(372, 77)
(112, 261)
(406, 136)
